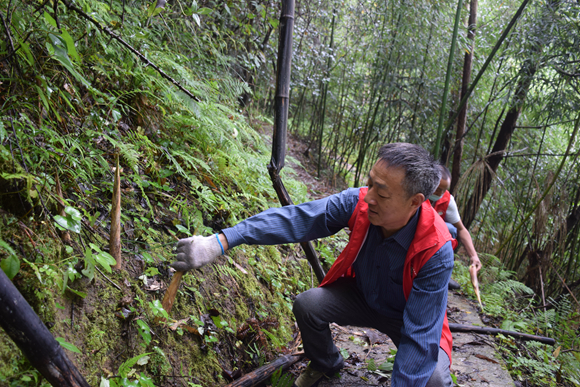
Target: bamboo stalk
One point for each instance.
(447, 80)
(487, 62)
(281, 121)
(115, 233)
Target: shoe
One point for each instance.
(308, 378)
(453, 285)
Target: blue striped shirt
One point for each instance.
(379, 273)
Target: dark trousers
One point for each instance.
(342, 303)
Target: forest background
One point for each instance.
(181, 93)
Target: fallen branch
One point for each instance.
(107, 278)
(107, 31)
(261, 374)
(34, 339)
(495, 331)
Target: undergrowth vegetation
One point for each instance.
(512, 306)
(73, 100)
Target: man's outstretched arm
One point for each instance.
(465, 238)
(289, 224)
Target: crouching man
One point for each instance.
(392, 275)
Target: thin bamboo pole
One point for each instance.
(487, 62)
(447, 80)
(281, 120)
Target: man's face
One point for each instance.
(389, 205)
(443, 186)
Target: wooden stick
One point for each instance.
(495, 331)
(255, 377)
(171, 291)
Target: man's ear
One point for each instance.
(417, 200)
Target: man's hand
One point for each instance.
(196, 251)
(476, 262)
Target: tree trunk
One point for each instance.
(461, 120)
(34, 339)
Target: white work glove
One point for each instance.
(196, 251)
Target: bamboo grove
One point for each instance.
(371, 72)
(181, 91)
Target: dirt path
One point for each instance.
(370, 354)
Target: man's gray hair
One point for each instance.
(422, 172)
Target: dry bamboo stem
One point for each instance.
(115, 234)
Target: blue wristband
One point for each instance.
(220, 242)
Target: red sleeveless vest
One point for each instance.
(430, 236)
(440, 206)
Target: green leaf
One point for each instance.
(25, 47)
(386, 366)
(196, 18)
(10, 266)
(104, 382)
(67, 345)
(204, 11)
(151, 9)
(49, 19)
(151, 271)
(183, 229)
(126, 366)
(106, 260)
(217, 321)
(72, 221)
(89, 270)
(78, 293)
(42, 97)
(35, 268)
(129, 383)
(273, 22)
(60, 53)
(157, 308)
(70, 44)
(3, 133)
(147, 382)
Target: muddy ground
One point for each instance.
(476, 362)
